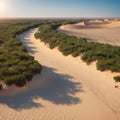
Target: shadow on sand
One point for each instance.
(49, 86)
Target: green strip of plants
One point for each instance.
(16, 65)
(107, 57)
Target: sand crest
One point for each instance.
(95, 30)
(67, 89)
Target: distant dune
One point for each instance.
(103, 31)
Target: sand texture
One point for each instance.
(67, 89)
(95, 30)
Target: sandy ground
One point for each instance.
(67, 89)
(96, 30)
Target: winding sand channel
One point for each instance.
(67, 89)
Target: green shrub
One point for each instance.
(117, 78)
(1, 86)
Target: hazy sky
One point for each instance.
(59, 8)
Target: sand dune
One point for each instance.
(67, 89)
(98, 31)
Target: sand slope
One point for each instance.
(67, 89)
(98, 31)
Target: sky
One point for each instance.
(59, 8)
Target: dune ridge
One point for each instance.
(96, 30)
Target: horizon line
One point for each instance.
(59, 18)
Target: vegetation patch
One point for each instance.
(16, 65)
(106, 56)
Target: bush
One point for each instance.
(18, 80)
(1, 86)
(117, 78)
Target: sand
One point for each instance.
(103, 31)
(67, 89)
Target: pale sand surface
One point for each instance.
(95, 30)
(67, 89)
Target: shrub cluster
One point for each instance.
(106, 56)
(16, 65)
